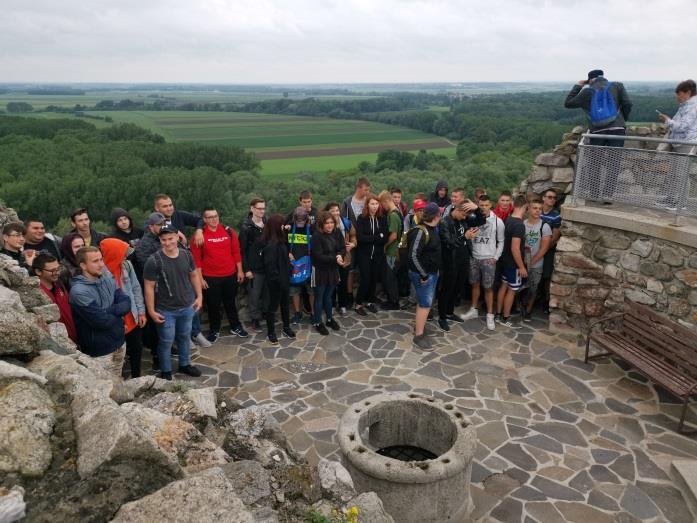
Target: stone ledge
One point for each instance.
(647, 222)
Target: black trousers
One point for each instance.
(134, 350)
(453, 279)
(343, 297)
(607, 190)
(389, 279)
(370, 271)
(278, 296)
(221, 291)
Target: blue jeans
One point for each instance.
(323, 302)
(196, 325)
(424, 291)
(177, 326)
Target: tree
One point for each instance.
(19, 107)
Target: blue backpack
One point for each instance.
(301, 269)
(603, 106)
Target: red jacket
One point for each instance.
(59, 296)
(220, 253)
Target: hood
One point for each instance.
(442, 184)
(114, 252)
(66, 251)
(117, 213)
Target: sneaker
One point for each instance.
(297, 318)
(213, 337)
(526, 316)
(321, 329)
(490, 323)
(272, 338)
(332, 324)
(454, 317)
(342, 311)
(256, 325)
(506, 322)
(360, 311)
(470, 314)
(429, 332)
(166, 376)
(201, 340)
(239, 331)
(189, 370)
(288, 333)
(422, 342)
(372, 308)
(443, 324)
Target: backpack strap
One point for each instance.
(309, 238)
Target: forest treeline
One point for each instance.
(50, 167)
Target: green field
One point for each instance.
(285, 144)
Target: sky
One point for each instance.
(347, 41)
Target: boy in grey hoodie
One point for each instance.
(487, 246)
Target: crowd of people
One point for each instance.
(133, 287)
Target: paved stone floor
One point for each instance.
(558, 440)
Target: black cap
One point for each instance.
(595, 73)
(168, 229)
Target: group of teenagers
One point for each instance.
(136, 286)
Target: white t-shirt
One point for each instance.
(533, 241)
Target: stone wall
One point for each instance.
(556, 168)
(596, 267)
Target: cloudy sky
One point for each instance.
(308, 41)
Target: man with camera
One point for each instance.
(487, 247)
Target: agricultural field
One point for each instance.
(284, 144)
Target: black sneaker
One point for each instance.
(443, 324)
(166, 376)
(272, 338)
(372, 308)
(452, 317)
(332, 324)
(422, 342)
(256, 325)
(189, 370)
(361, 311)
(289, 333)
(239, 331)
(322, 329)
(213, 336)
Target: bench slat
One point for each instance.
(660, 371)
(649, 338)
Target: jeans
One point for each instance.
(196, 325)
(323, 302)
(424, 291)
(177, 326)
(277, 296)
(221, 291)
(257, 295)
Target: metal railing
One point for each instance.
(662, 176)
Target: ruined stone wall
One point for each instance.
(597, 267)
(556, 168)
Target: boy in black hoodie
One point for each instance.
(123, 227)
(252, 264)
(440, 196)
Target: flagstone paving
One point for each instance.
(558, 440)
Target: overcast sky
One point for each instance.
(310, 41)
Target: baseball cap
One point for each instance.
(168, 229)
(431, 210)
(155, 218)
(300, 216)
(419, 204)
(595, 73)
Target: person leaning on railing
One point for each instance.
(683, 126)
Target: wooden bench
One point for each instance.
(659, 348)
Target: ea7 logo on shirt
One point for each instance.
(480, 239)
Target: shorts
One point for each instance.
(483, 271)
(511, 277)
(297, 289)
(533, 280)
(424, 291)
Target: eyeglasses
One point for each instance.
(51, 271)
(15, 235)
(259, 208)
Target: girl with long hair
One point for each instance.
(372, 234)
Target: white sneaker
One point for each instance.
(201, 340)
(470, 314)
(490, 323)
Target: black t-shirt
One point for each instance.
(173, 289)
(515, 228)
(45, 245)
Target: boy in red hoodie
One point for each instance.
(219, 264)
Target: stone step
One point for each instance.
(684, 472)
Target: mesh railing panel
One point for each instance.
(657, 179)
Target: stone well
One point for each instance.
(436, 439)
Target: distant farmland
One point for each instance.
(284, 144)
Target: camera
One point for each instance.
(475, 219)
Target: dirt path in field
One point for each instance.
(338, 151)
